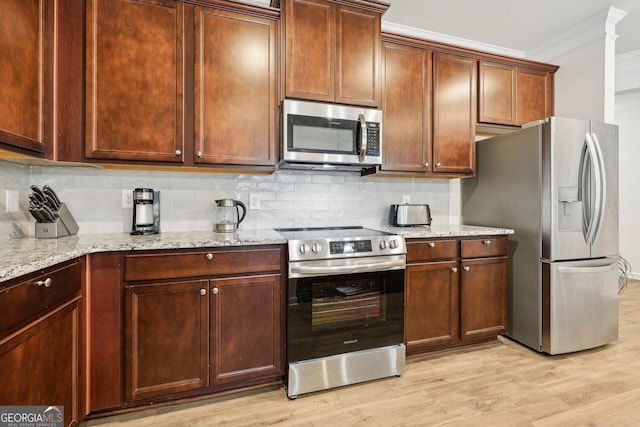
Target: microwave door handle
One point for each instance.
(361, 138)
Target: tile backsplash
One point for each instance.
(287, 198)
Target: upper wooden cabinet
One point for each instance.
(513, 94)
(332, 51)
(134, 80)
(454, 113)
(235, 88)
(406, 105)
(534, 95)
(429, 105)
(26, 85)
(173, 82)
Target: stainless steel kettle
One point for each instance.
(228, 216)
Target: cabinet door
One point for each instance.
(432, 313)
(246, 328)
(406, 104)
(235, 88)
(310, 49)
(165, 338)
(357, 61)
(483, 297)
(39, 364)
(534, 95)
(134, 80)
(26, 56)
(497, 97)
(454, 113)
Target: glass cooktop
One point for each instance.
(329, 232)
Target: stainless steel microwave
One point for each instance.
(330, 137)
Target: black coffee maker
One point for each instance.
(146, 211)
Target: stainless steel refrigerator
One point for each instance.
(556, 184)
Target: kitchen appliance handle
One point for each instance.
(601, 195)
(580, 270)
(361, 138)
(244, 210)
(349, 269)
(587, 168)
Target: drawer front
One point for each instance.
(486, 247)
(159, 266)
(431, 250)
(26, 300)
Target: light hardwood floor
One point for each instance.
(504, 384)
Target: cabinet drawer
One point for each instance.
(482, 248)
(25, 300)
(431, 250)
(201, 263)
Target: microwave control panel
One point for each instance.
(373, 139)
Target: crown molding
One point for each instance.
(405, 30)
(598, 25)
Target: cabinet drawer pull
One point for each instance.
(466, 268)
(454, 269)
(215, 291)
(487, 242)
(47, 282)
(209, 256)
(432, 245)
(203, 291)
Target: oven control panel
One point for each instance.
(350, 247)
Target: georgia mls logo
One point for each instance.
(31, 416)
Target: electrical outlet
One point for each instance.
(11, 199)
(254, 201)
(127, 199)
(406, 199)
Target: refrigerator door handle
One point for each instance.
(576, 270)
(601, 193)
(588, 168)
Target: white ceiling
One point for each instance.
(513, 24)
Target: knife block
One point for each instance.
(64, 225)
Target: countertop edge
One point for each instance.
(29, 255)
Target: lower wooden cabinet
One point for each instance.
(166, 327)
(40, 349)
(203, 333)
(456, 292)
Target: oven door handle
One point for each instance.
(348, 269)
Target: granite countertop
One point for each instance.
(27, 255)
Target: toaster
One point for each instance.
(409, 215)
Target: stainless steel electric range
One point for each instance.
(345, 307)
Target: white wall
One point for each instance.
(288, 199)
(627, 114)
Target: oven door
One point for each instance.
(340, 313)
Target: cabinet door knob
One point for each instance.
(466, 268)
(487, 242)
(198, 153)
(438, 164)
(178, 152)
(454, 269)
(46, 282)
(209, 256)
(426, 164)
(432, 244)
(203, 291)
(215, 291)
